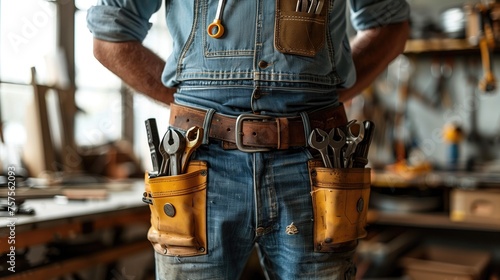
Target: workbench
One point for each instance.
(55, 221)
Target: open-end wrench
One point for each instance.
(194, 138)
(174, 145)
(337, 145)
(321, 146)
(352, 142)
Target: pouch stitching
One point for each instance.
(178, 192)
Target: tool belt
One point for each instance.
(253, 132)
(340, 185)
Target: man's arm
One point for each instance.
(372, 51)
(136, 65)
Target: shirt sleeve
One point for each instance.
(367, 14)
(121, 20)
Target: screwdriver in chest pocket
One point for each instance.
(309, 6)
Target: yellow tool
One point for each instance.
(216, 29)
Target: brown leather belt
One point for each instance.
(253, 132)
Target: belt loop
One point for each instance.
(206, 125)
(307, 125)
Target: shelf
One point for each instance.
(458, 179)
(438, 220)
(417, 46)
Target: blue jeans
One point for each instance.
(258, 199)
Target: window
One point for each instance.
(30, 37)
(27, 39)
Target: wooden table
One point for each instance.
(56, 221)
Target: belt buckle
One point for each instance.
(239, 133)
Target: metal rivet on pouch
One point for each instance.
(169, 209)
(328, 240)
(201, 249)
(203, 173)
(360, 205)
(313, 173)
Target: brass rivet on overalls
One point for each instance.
(263, 64)
(169, 209)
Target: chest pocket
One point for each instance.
(300, 30)
(239, 21)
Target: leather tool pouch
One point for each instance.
(178, 211)
(340, 204)
(299, 33)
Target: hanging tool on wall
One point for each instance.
(453, 135)
(486, 46)
(441, 70)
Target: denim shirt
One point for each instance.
(246, 56)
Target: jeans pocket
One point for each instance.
(178, 211)
(340, 204)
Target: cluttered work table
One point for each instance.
(61, 219)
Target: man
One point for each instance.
(279, 62)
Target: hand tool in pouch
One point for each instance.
(174, 144)
(337, 145)
(352, 142)
(361, 154)
(321, 145)
(194, 138)
(153, 142)
(165, 163)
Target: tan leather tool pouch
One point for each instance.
(299, 33)
(178, 211)
(340, 203)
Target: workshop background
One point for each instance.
(435, 199)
